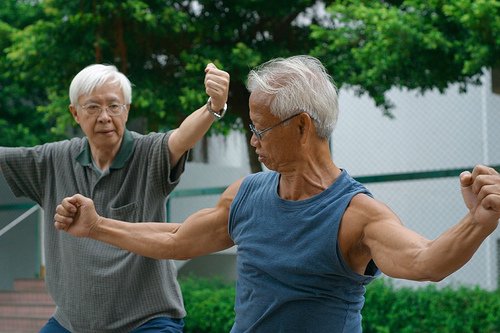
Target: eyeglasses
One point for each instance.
(113, 110)
(258, 133)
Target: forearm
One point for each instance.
(452, 249)
(202, 233)
(191, 130)
(402, 253)
(149, 239)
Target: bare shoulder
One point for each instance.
(370, 218)
(229, 194)
(362, 211)
(366, 210)
(363, 216)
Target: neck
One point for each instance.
(104, 156)
(307, 181)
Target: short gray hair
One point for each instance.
(94, 76)
(298, 83)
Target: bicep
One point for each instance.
(394, 248)
(206, 231)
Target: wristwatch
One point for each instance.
(217, 115)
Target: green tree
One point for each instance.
(373, 46)
(20, 122)
(163, 46)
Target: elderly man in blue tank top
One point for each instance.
(309, 237)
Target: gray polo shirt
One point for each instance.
(98, 287)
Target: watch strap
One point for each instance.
(217, 115)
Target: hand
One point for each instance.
(76, 215)
(216, 86)
(481, 194)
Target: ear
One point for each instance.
(305, 127)
(127, 109)
(72, 109)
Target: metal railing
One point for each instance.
(415, 175)
(218, 190)
(19, 219)
(31, 209)
(393, 177)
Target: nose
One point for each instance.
(253, 140)
(104, 116)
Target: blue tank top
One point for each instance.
(291, 274)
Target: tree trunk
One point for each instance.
(97, 39)
(121, 47)
(240, 97)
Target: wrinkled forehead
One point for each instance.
(260, 101)
(109, 91)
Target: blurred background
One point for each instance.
(419, 85)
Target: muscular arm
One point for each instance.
(402, 253)
(194, 127)
(201, 233)
(370, 230)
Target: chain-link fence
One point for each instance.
(412, 161)
(428, 135)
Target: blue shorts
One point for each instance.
(156, 325)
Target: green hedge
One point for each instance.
(429, 309)
(209, 304)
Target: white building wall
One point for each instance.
(429, 132)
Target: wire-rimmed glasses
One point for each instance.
(258, 134)
(113, 110)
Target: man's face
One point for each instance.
(275, 148)
(103, 130)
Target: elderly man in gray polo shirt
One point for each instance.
(98, 287)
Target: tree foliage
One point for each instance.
(375, 45)
(20, 123)
(164, 45)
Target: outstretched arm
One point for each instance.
(194, 127)
(202, 233)
(402, 253)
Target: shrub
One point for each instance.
(429, 309)
(210, 302)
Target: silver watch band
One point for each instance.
(217, 115)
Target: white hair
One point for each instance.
(299, 83)
(94, 76)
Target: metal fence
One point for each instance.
(410, 162)
(418, 198)
(419, 154)
(428, 202)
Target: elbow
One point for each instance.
(421, 277)
(173, 251)
(183, 257)
(432, 275)
(168, 255)
(439, 275)
(437, 278)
